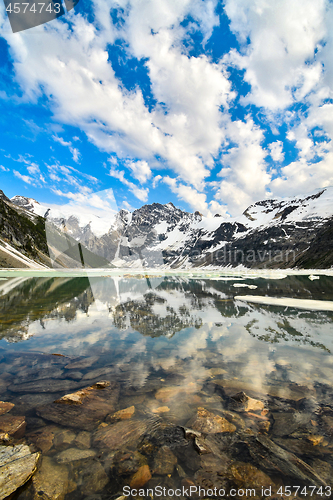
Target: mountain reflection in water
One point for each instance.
(172, 345)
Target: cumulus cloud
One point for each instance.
(244, 175)
(72, 66)
(276, 151)
(196, 200)
(279, 61)
(285, 52)
(140, 170)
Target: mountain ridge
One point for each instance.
(274, 233)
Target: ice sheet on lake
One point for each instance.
(315, 305)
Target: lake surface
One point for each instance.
(253, 382)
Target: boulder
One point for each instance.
(209, 423)
(17, 466)
(120, 434)
(51, 481)
(13, 426)
(165, 461)
(84, 409)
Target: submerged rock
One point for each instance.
(141, 477)
(124, 414)
(127, 463)
(73, 455)
(63, 439)
(286, 423)
(43, 439)
(99, 372)
(37, 374)
(82, 363)
(246, 475)
(5, 407)
(210, 423)
(93, 479)
(83, 440)
(84, 409)
(275, 459)
(51, 481)
(12, 425)
(165, 461)
(120, 434)
(45, 385)
(242, 402)
(17, 465)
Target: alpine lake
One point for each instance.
(129, 385)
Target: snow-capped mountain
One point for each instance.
(275, 233)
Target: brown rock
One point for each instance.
(124, 414)
(17, 465)
(14, 426)
(161, 409)
(315, 439)
(141, 477)
(74, 455)
(63, 439)
(4, 437)
(242, 402)
(94, 479)
(120, 434)
(83, 440)
(247, 476)
(94, 405)
(44, 439)
(209, 423)
(51, 481)
(165, 461)
(5, 407)
(126, 463)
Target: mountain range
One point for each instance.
(272, 233)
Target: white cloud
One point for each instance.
(140, 170)
(276, 151)
(24, 178)
(75, 152)
(244, 174)
(196, 200)
(72, 66)
(140, 193)
(33, 168)
(156, 180)
(4, 169)
(61, 141)
(279, 62)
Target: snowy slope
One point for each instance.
(164, 236)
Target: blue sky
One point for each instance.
(211, 105)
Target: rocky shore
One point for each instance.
(65, 439)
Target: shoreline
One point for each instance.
(208, 272)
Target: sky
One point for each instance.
(206, 104)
